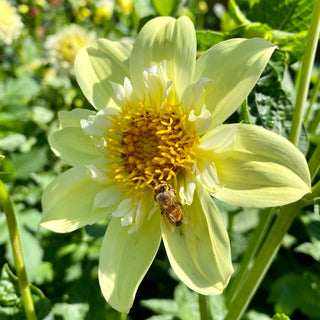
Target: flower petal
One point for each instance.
(199, 251)
(68, 202)
(165, 38)
(69, 142)
(206, 173)
(96, 65)
(124, 260)
(234, 66)
(260, 169)
(186, 187)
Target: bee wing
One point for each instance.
(168, 224)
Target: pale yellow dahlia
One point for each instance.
(10, 23)
(104, 11)
(159, 120)
(126, 6)
(63, 46)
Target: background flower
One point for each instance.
(10, 23)
(104, 11)
(126, 6)
(63, 46)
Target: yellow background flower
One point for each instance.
(10, 23)
(63, 46)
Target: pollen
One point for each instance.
(148, 145)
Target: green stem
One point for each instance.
(314, 163)
(313, 97)
(306, 67)
(315, 191)
(17, 253)
(230, 224)
(244, 112)
(263, 260)
(203, 307)
(123, 316)
(253, 247)
(315, 122)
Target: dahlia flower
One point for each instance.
(10, 23)
(63, 46)
(159, 121)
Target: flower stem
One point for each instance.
(314, 122)
(17, 253)
(313, 97)
(203, 307)
(315, 191)
(263, 260)
(314, 163)
(306, 67)
(253, 247)
(244, 112)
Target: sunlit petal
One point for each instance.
(199, 250)
(97, 65)
(260, 169)
(69, 142)
(68, 201)
(124, 260)
(165, 38)
(186, 187)
(234, 66)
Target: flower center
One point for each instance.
(148, 145)
(70, 46)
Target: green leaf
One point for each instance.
(289, 32)
(165, 7)
(73, 272)
(12, 142)
(283, 292)
(161, 306)
(187, 303)
(280, 316)
(269, 104)
(207, 39)
(42, 273)
(237, 15)
(255, 315)
(163, 317)
(28, 221)
(310, 248)
(41, 114)
(217, 305)
(289, 15)
(29, 51)
(312, 224)
(246, 219)
(317, 207)
(75, 311)
(144, 8)
(11, 307)
(292, 44)
(32, 252)
(27, 163)
(10, 304)
(23, 88)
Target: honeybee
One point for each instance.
(171, 209)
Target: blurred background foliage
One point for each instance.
(37, 81)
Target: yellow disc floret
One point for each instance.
(148, 145)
